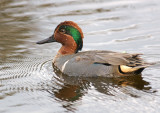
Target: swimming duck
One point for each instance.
(90, 63)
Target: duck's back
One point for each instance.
(100, 63)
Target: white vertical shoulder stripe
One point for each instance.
(64, 65)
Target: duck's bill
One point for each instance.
(48, 40)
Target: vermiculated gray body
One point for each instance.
(98, 63)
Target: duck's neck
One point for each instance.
(68, 49)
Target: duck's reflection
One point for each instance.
(74, 88)
(69, 93)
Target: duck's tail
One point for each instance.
(129, 69)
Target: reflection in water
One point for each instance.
(74, 88)
(69, 93)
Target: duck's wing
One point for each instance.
(127, 62)
(112, 58)
(119, 59)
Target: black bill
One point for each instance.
(48, 40)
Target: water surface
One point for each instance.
(28, 82)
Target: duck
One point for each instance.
(71, 61)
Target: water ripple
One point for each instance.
(134, 38)
(24, 75)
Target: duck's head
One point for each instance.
(69, 34)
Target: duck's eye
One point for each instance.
(62, 30)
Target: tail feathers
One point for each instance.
(127, 69)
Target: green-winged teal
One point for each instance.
(90, 63)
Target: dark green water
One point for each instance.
(28, 83)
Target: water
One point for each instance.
(27, 80)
